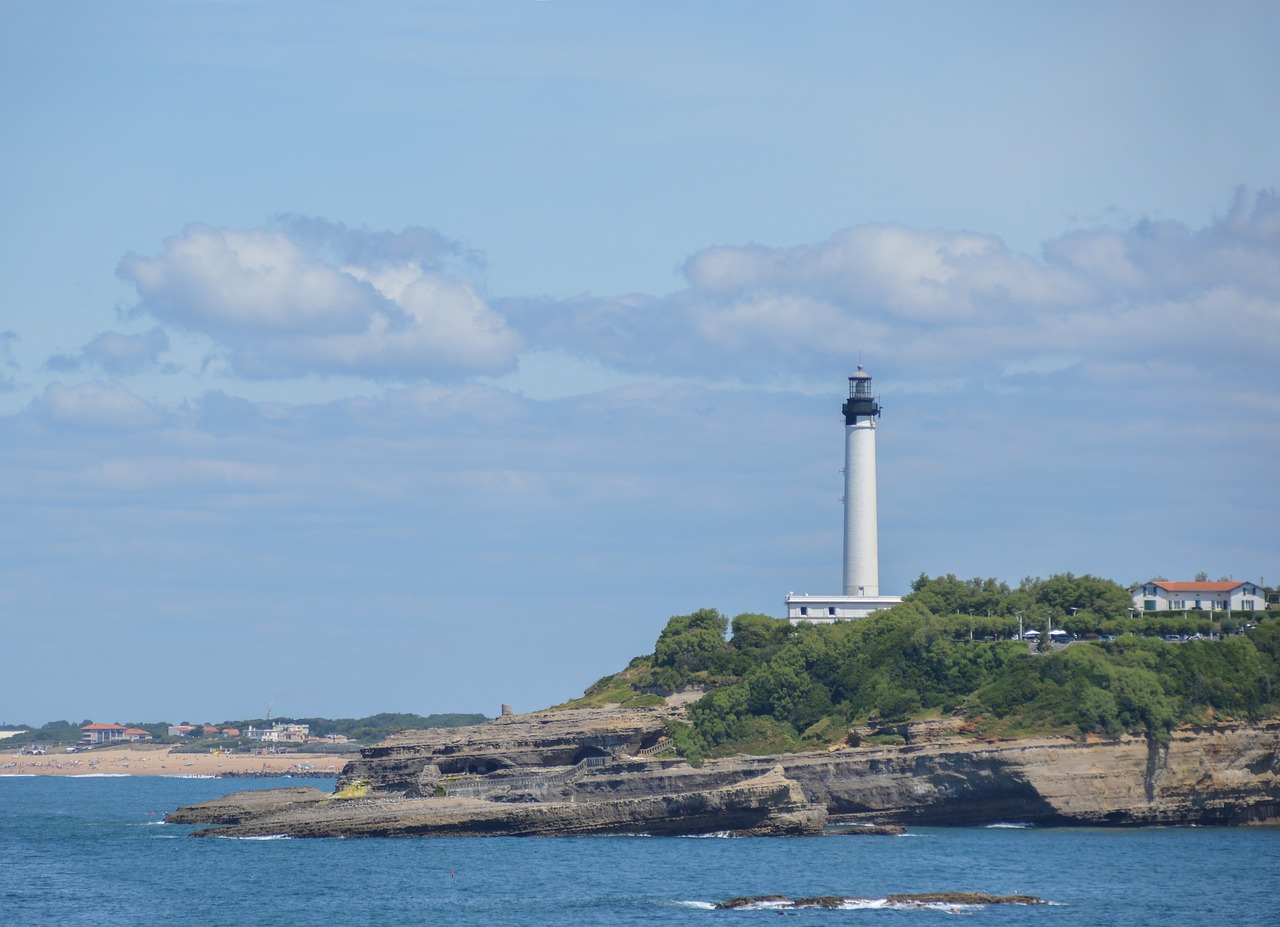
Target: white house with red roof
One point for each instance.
(1162, 595)
(102, 733)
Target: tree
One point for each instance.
(694, 644)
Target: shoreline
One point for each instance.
(142, 760)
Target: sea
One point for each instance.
(95, 850)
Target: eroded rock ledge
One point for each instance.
(593, 771)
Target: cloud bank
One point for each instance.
(944, 304)
(317, 298)
(310, 297)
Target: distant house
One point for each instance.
(1162, 595)
(102, 733)
(231, 732)
(136, 735)
(279, 733)
(181, 730)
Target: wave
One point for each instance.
(97, 776)
(855, 904)
(187, 776)
(948, 902)
(261, 837)
(1010, 825)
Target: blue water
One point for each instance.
(89, 851)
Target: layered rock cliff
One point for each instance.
(586, 771)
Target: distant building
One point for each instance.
(279, 733)
(1162, 595)
(102, 733)
(181, 730)
(824, 609)
(136, 735)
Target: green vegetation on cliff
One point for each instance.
(945, 651)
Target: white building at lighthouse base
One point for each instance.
(825, 609)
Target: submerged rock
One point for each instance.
(870, 830)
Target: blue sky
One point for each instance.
(428, 356)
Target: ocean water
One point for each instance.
(95, 851)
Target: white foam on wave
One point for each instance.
(697, 905)
(714, 835)
(186, 776)
(852, 904)
(261, 837)
(98, 776)
(1010, 825)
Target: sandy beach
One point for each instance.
(142, 760)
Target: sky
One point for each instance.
(428, 356)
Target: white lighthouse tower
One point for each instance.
(861, 595)
(861, 546)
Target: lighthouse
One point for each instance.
(861, 545)
(861, 591)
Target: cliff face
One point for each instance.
(584, 772)
(415, 763)
(1222, 775)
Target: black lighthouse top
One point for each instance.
(861, 404)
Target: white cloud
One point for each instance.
(95, 405)
(282, 307)
(7, 360)
(116, 353)
(937, 305)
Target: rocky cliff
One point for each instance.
(587, 771)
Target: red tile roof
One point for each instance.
(1197, 587)
(134, 730)
(102, 727)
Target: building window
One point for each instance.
(831, 611)
(804, 610)
(1149, 605)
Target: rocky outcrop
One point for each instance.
(416, 762)
(577, 772)
(247, 806)
(768, 805)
